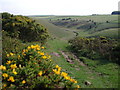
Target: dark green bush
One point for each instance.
(24, 28)
(96, 48)
(10, 45)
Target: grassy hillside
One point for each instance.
(97, 18)
(89, 73)
(108, 33)
(55, 31)
(89, 24)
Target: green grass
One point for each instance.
(108, 33)
(97, 18)
(106, 71)
(104, 26)
(100, 18)
(55, 31)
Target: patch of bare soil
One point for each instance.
(80, 62)
(66, 57)
(55, 54)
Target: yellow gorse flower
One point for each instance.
(67, 77)
(26, 50)
(11, 54)
(38, 52)
(13, 66)
(44, 57)
(56, 72)
(8, 62)
(18, 56)
(32, 47)
(49, 56)
(40, 73)
(11, 78)
(4, 85)
(20, 66)
(57, 66)
(78, 86)
(5, 75)
(23, 50)
(2, 67)
(14, 71)
(73, 80)
(64, 74)
(42, 47)
(23, 81)
(42, 53)
(37, 48)
(59, 69)
(8, 55)
(28, 47)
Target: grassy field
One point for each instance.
(99, 73)
(97, 18)
(112, 33)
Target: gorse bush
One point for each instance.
(10, 45)
(32, 68)
(24, 28)
(95, 48)
(20, 29)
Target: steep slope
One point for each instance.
(55, 31)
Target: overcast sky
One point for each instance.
(58, 7)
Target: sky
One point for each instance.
(58, 7)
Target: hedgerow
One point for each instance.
(32, 68)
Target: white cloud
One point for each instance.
(59, 7)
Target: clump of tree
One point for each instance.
(23, 28)
(96, 48)
(66, 19)
(115, 13)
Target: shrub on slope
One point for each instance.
(96, 48)
(23, 28)
(32, 68)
